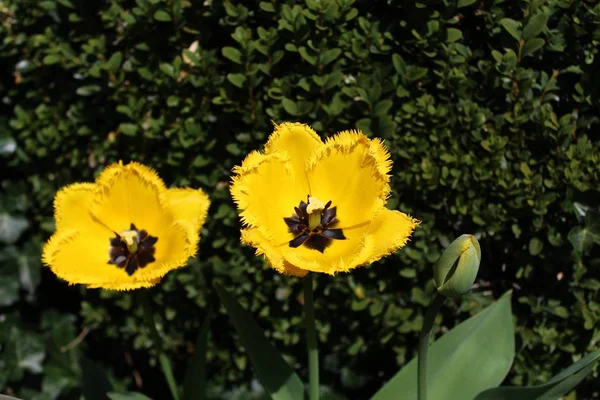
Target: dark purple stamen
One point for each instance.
(321, 236)
(121, 257)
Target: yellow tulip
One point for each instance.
(309, 205)
(125, 231)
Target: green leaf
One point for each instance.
(162, 15)
(168, 373)
(51, 59)
(9, 290)
(11, 228)
(232, 53)
(265, 6)
(329, 55)
(290, 107)
(535, 26)
(453, 35)
(237, 79)
(114, 62)
(128, 129)
(194, 386)
(555, 388)
(535, 246)
(94, 384)
(582, 238)
(592, 223)
(3, 397)
(88, 90)
(127, 396)
(513, 27)
(304, 54)
(532, 45)
(465, 3)
(474, 356)
(276, 376)
(8, 145)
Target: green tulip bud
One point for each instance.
(456, 270)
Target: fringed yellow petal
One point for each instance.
(351, 170)
(264, 193)
(131, 193)
(90, 215)
(72, 205)
(298, 141)
(188, 204)
(272, 254)
(389, 231)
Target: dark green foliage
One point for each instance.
(489, 109)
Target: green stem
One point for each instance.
(311, 339)
(158, 342)
(428, 321)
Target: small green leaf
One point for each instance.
(555, 388)
(265, 6)
(276, 376)
(114, 62)
(465, 3)
(453, 35)
(51, 59)
(535, 246)
(94, 384)
(128, 129)
(88, 90)
(304, 54)
(289, 106)
(11, 228)
(329, 55)
(232, 53)
(582, 238)
(513, 27)
(535, 26)
(162, 15)
(236, 79)
(484, 343)
(127, 396)
(194, 386)
(532, 45)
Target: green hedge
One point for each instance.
(489, 109)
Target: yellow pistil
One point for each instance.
(129, 237)
(313, 209)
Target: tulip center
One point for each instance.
(313, 224)
(132, 249)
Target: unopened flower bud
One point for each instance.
(456, 270)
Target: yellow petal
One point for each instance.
(365, 244)
(351, 171)
(82, 258)
(265, 195)
(272, 254)
(389, 231)
(298, 141)
(72, 205)
(188, 204)
(131, 193)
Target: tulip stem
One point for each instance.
(424, 337)
(311, 339)
(158, 343)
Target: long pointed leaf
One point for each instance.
(276, 376)
(127, 396)
(194, 386)
(95, 384)
(556, 387)
(474, 356)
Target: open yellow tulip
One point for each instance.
(125, 231)
(313, 206)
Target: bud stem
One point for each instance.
(424, 336)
